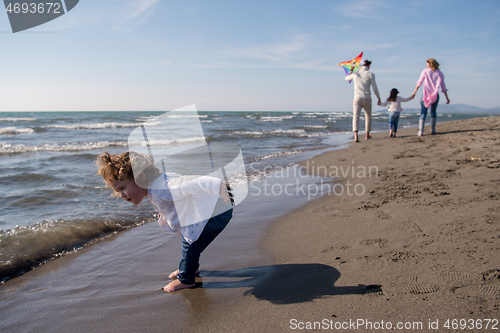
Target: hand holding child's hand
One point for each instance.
(224, 194)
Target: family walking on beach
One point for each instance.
(432, 79)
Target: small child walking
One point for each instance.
(202, 209)
(395, 109)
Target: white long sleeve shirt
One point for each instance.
(185, 203)
(362, 81)
(396, 105)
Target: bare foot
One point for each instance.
(176, 285)
(391, 133)
(368, 136)
(174, 274)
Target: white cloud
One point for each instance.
(297, 51)
(361, 9)
(300, 51)
(118, 13)
(137, 11)
(274, 52)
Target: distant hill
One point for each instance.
(459, 108)
(456, 108)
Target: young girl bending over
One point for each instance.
(394, 102)
(202, 207)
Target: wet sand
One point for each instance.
(417, 241)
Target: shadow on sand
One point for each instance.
(287, 284)
(449, 132)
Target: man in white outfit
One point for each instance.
(363, 79)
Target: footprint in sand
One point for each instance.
(474, 284)
(479, 290)
(421, 288)
(412, 285)
(408, 278)
(460, 279)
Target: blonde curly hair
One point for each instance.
(127, 165)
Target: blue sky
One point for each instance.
(257, 55)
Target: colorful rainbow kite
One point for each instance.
(351, 64)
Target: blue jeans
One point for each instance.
(394, 120)
(423, 109)
(190, 258)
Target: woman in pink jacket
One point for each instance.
(432, 78)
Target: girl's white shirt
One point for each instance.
(185, 203)
(395, 106)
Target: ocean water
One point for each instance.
(51, 202)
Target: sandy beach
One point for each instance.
(418, 248)
(427, 230)
(408, 240)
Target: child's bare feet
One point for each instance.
(176, 285)
(174, 274)
(368, 136)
